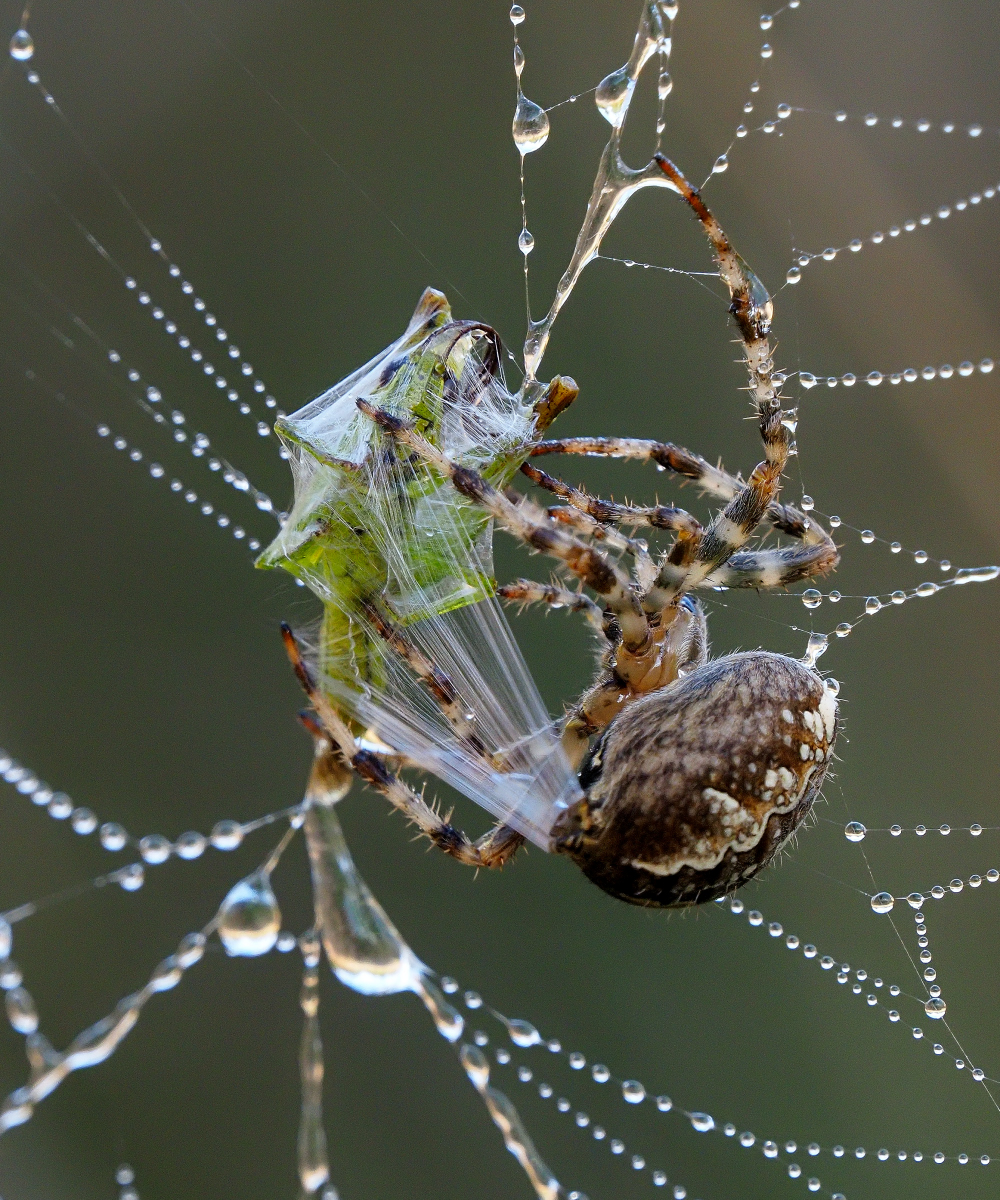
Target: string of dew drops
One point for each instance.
(22, 49)
(970, 203)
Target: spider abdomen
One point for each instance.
(693, 789)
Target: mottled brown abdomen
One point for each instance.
(693, 789)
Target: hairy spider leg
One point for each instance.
(528, 591)
(607, 512)
(493, 849)
(714, 481)
(770, 568)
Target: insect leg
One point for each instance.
(493, 849)
(452, 706)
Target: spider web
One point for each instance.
(713, 1011)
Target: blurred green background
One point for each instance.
(140, 663)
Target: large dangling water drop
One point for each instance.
(613, 95)
(530, 126)
(22, 46)
(516, 14)
(249, 918)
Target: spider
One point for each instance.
(693, 771)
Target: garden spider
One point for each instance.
(694, 772)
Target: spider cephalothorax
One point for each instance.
(692, 772)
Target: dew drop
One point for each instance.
(613, 95)
(22, 46)
(516, 14)
(664, 85)
(523, 1033)
(811, 598)
(976, 574)
(766, 21)
(226, 835)
(21, 1011)
(113, 836)
(872, 605)
(721, 164)
(882, 903)
(633, 1092)
(530, 126)
(935, 1008)
(793, 275)
(526, 242)
(600, 1073)
(702, 1122)
(854, 831)
(249, 918)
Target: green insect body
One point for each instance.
(369, 523)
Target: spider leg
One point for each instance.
(493, 849)
(527, 591)
(713, 480)
(773, 568)
(606, 512)
(688, 566)
(526, 523)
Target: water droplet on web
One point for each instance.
(766, 21)
(793, 275)
(226, 835)
(518, 60)
(935, 1008)
(613, 95)
(784, 111)
(872, 605)
(22, 46)
(702, 1122)
(854, 831)
(816, 647)
(811, 598)
(721, 164)
(882, 903)
(523, 1033)
(633, 1092)
(530, 126)
(249, 918)
(516, 14)
(600, 1073)
(525, 242)
(21, 1011)
(664, 85)
(976, 574)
